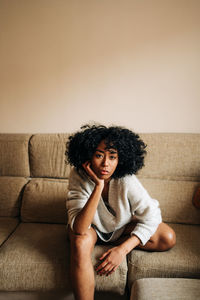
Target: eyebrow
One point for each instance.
(111, 151)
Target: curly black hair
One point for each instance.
(131, 149)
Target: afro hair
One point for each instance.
(131, 149)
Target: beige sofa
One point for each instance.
(34, 251)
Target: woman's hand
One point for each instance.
(111, 260)
(93, 176)
(86, 215)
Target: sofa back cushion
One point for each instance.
(172, 174)
(14, 159)
(10, 195)
(44, 200)
(175, 198)
(47, 156)
(172, 156)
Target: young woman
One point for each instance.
(107, 203)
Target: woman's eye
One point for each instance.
(112, 157)
(98, 155)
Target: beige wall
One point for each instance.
(128, 62)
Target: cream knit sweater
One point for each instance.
(127, 198)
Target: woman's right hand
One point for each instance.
(86, 215)
(91, 173)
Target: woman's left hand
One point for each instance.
(111, 260)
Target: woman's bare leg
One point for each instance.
(163, 239)
(81, 269)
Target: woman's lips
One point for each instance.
(104, 172)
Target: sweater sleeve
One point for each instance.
(78, 194)
(145, 209)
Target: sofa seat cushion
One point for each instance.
(116, 282)
(36, 258)
(41, 295)
(165, 289)
(7, 226)
(181, 261)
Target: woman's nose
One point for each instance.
(105, 161)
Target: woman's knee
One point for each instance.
(81, 245)
(167, 239)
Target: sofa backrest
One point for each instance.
(44, 198)
(173, 156)
(34, 175)
(14, 158)
(47, 156)
(172, 174)
(14, 170)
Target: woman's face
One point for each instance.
(104, 161)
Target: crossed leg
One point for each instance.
(163, 239)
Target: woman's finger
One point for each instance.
(104, 255)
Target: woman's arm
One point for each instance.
(86, 215)
(145, 209)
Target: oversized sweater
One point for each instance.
(127, 198)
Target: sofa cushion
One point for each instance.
(44, 200)
(11, 188)
(172, 155)
(181, 261)
(36, 257)
(175, 198)
(41, 295)
(14, 159)
(116, 282)
(7, 226)
(47, 156)
(165, 289)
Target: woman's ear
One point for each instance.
(196, 198)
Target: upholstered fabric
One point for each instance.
(36, 258)
(116, 282)
(172, 155)
(10, 195)
(44, 200)
(41, 295)
(175, 198)
(55, 295)
(47, 155)
(14, 160)
(181, 261)
(166, 289)
(7, 226)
